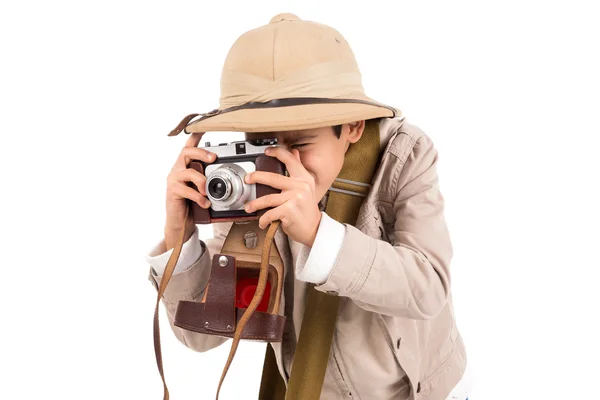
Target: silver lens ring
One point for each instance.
(234, 186)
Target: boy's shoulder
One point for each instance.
(399, 137)
(407, 152)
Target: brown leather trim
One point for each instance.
(220, 299)
(261, 326)
(258, 294)
(268, 164)
(200, 215)
(276, 103)
(263, 163)
(182, 124)
(249, 260)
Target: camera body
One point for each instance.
(225, 186)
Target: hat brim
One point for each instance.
(298, 117)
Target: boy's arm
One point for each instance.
(409, 277)
(190, 282)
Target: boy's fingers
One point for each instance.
(270, 179)
(292, 164)
(296, 154)
(272, 200)
(190, 153)
(191, 175)
(186, 192)
(194, 139)
(268, 217)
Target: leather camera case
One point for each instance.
(217, 313)
(262, 163)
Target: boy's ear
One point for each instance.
(356, 130)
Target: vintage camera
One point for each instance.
(225, 186)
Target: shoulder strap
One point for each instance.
(316, 333)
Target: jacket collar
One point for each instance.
(387, 128)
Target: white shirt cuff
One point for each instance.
(324, 252)
(191, 252)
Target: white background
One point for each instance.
(509, 91)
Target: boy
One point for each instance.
(395, 334)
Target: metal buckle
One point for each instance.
(211, 113)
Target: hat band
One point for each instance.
(276, 103)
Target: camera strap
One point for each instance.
(229, 247)
(161, 290)
(221, 298)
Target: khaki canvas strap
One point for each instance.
(320, 316)
(272, 386)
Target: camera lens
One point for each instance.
(217, 188)
(225, 187)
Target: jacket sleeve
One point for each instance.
(409, 276)
(190, 285)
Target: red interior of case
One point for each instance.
(245, 289)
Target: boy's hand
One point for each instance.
(178, 190)
(296, 205)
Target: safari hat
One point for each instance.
(287, 75)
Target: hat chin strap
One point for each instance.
(287, 102)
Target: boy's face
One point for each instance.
(321, 152)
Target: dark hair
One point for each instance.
(337, 130)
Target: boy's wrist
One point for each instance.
(323, 253)
(191, 251)
(311, 240)
(172, 234)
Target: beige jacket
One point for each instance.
(396, 336)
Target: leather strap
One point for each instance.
(287, 102)
(262, 326)
(260, 290)
(239, 323)
(219, 308)
(161, 290)
(182, 124)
